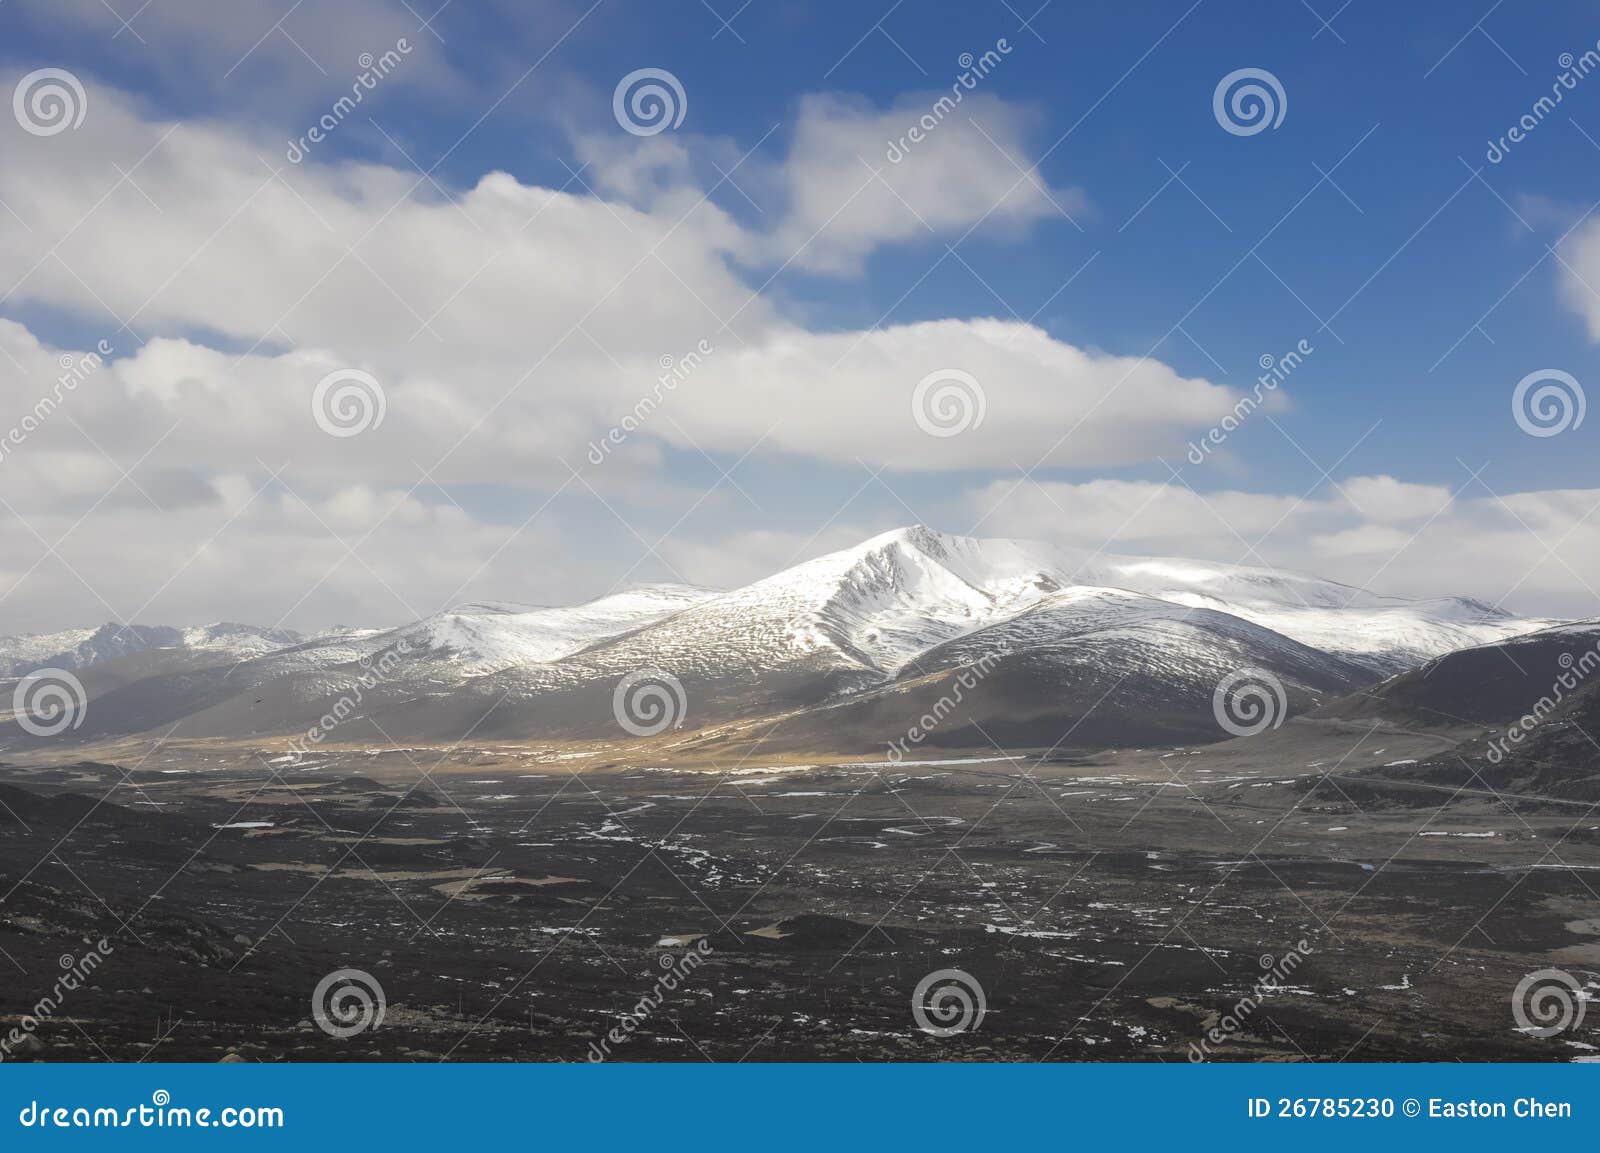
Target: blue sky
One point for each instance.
(1368, 223)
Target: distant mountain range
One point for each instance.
(851, 647)
(75, 648)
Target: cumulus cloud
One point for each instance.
(1023, 397)
(1580, 275)
(519, 318)
(513, 328)
(846, 196)
(850, 182)
(510, 327)
(1530, 551)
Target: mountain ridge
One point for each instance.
(1154, 633)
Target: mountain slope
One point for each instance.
(1082, 668)
(855, 628)
(79, 648)
(1525, 713)
(1386, 633)
(1489, 686)
(475, 639)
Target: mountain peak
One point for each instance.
(917, 536)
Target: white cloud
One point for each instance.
(853, 397)
(1495, 548)
(278, 53)
(1385, 499)
(1580, 275)
(972, 169)
(835, 197)
(510, 326)
(522, 319)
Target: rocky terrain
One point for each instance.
(512, 907)
(930, 798)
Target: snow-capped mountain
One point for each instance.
(1064, 630)
(78, 648)
(1386, 633)
(484, 638)
(473, 640)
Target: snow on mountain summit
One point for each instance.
(866, 612)
(857, 627)
(872, 608)
(78, 648)
(485, 637)
(1387, 633)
